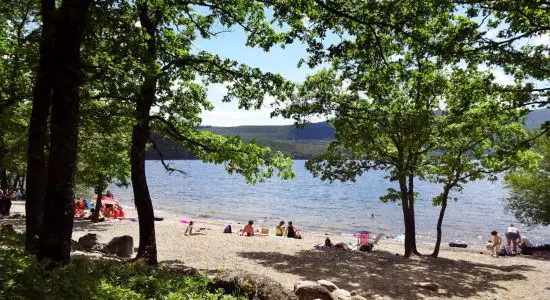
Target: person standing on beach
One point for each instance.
(494, 247)
(512, 237)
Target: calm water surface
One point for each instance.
(206, 191)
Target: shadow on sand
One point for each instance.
(385, 274)
(78, 226)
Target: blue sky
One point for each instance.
(282, 61)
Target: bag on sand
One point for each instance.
(227, 229)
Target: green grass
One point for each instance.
(22, 277)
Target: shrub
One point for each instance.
(23, 277)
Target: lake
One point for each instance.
(207, 192)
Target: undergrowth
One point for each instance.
(23, 277)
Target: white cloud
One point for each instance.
(543, 39)
(500, 76)
(229, 114)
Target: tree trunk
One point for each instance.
(4, 179)
(22, 186)
(55, 238)
(409, 231)
(440, 222)
(411, 199)
(99, 196)
(38, 134)
(140, 134)
(15, 183)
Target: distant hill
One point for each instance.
(299, 143)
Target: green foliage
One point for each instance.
(104, 144)
(18, 60)
(514, 36)
(22, 277)
(530, 188)
(180, 75)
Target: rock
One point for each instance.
(353, 293)
(89, 242)
(341, 294)
(327, 284)
(74, 245)
(16, 216)
(122, 246)
(7, 229)
(357, 297)
(250, 285)
(313, 291)
(179, 268)
(299, 284)
(432, 286)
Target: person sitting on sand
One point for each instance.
(118, 212)
(248, 230)
(494, 246)
(189, 229)
(280, 230)
(342, 246)
(110, 195)
(292, 232)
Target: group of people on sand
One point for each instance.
(6, 197)
(515, 243)
(106, 211)
(289, 231)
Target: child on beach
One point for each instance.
(248, 230)
(494, 246)
(280, 230)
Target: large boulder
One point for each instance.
(250, 285)
(329, 285)
(122, 246)
(341, 294)
(312, 291)
(89, 243)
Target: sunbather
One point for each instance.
(248, 230)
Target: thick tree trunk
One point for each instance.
(147, 241)
(147, 244)
(55, 238)
(38, 134)
(440, 222)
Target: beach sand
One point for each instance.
(382, 274)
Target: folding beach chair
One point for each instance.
(363, 238)
(364, 242)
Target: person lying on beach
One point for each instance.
(329, 244)
(280, 230)
(494, 245)
(248, 230)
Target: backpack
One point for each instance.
(227, 229)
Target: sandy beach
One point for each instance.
(460, 273)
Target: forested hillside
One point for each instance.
(300, 143)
